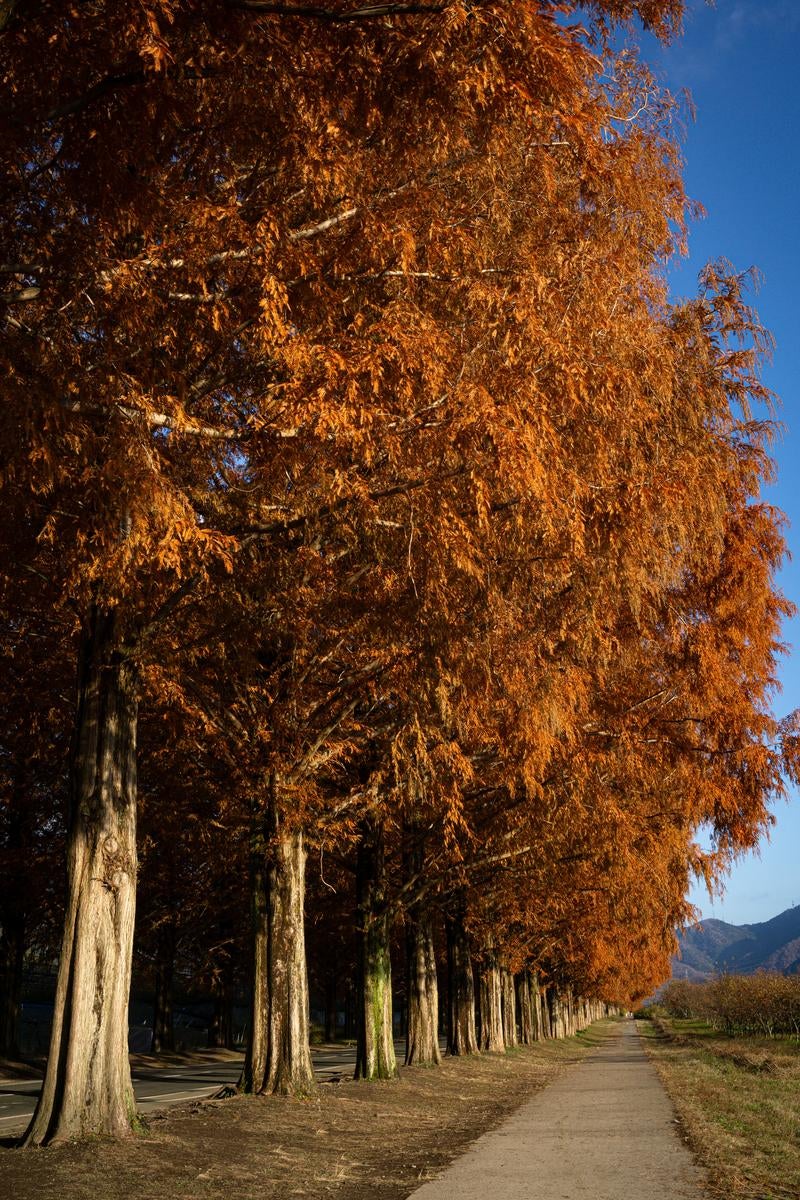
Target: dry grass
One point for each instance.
(738, 1100)
(353, 1141)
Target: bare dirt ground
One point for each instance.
(354, 1141)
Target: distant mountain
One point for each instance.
(714, 947)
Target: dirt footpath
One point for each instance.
(604, 1131)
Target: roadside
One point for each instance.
(169, 1079)
(738, 1101)
(354, 1140)
(33, 1068)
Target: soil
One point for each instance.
(352, 1140)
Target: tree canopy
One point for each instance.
(354, 450)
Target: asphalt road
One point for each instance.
(162, 1086)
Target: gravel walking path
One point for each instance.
(604, 1131)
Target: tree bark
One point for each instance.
(527, 1026)
(422, 1026)
(557, 1023)
(375, 1057)
(278, 1053)
(87, 1086)
(220, 1029)
(255, 1060)
(289, 1068)
(163, 1024)
(536, 1006)
(491, 1004)
(545, 1023)
(422, 1034)
(461, 1034)
(509, 1005)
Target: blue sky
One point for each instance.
(739, 61)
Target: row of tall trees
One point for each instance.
(357, 465)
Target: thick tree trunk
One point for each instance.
(163, 1025)
(557, 1013)
(87, 1087)
(289, 1068)
(422, 1026)
(569, 1013)
(374, 1042)
(255, 1060)
(536, 1006)
(527, 1028)
(278, 1054)
(422, 1034)
(491, 1004)
(461, 1035)
(509, 1002)
(12, 955)
(545, 1023)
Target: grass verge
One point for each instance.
(738, 1100)
(354, 1141)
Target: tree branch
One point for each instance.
(368, 13)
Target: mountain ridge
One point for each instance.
(713, 947)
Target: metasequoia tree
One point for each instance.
(322, 293)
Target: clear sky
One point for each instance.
(739, 60)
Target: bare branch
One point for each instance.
(109, 84)
(20, 268)
(296, 235)
(396, 489)
(368, 13)
(21, 297)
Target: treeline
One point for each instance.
(403, 537)
(765, 1004)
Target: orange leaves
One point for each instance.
(353, 380)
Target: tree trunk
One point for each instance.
(163, 1025)
(12, 955)
(220, 1029)
(527, 1028)
(557, 1023)
(422, 1034)
(422, 1026)
(545, 1023)
(289, 1069)
(461, 1035)
(255, 1060)
(536, 1006)
(509, 1004)
(374, 1042)
(87, 1087)
(278, 1054)
(491, 1004)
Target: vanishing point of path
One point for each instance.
(604, 1131)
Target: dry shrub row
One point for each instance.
(765, 1004)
